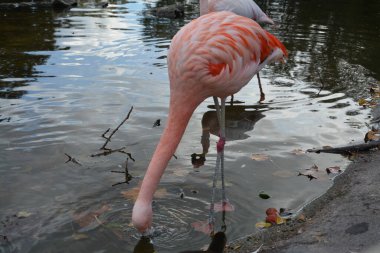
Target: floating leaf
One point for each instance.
(259, 157)
(23, 214)
(202, 226)
(297, 151)
(77, 236)
(86, 218)
(263, 224)
(280, 220)
(114, 225)
(131, 193)
(283, 173)
(134, 192)
(333, 170)
(362, 102)
(263, 195)
(372, 135)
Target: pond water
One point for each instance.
(65, 78)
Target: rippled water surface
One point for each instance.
(65, 78)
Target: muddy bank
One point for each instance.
(345, 219)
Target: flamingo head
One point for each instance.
(142, 216)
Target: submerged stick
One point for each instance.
(128, 177)
(108, 139)
(72, 159)
(108, 151)
(348, 149)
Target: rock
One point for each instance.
(170, 11)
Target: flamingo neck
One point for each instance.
(179, 116)
(203, 7)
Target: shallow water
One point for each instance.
(65, 78)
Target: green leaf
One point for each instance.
(263, 195)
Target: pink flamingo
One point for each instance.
(214, 55)
(245, 8)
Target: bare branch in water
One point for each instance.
(108, 139)
(72, 159)
(348, 149)
(128, 177)
(108, 151)
(104, 134)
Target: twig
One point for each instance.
(97, 219)
(108, 139)
(348, 149)
(128, 177)
(104, 134)
(108, 151)
(72, 159)
(309, 176)
(128, 154)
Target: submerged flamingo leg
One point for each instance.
(221, 112)
(225, 205)
(211, 220)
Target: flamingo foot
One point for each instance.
(262, 97)
(220, 144)
(224, 206)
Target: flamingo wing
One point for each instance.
(246, 8)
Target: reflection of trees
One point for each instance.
(330, 39)
(22, 30)
(162, 27)
(240, 119)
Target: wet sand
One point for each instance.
(345, 219)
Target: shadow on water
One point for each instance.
(240, 119)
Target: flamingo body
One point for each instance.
(214, 55)
(246, 8)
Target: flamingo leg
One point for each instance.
(262, 94)
(225, 205)
(222, 123)
(211, 220)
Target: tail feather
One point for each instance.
(270, 43)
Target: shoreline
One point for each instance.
(344, 219)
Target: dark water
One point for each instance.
(65, 78)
